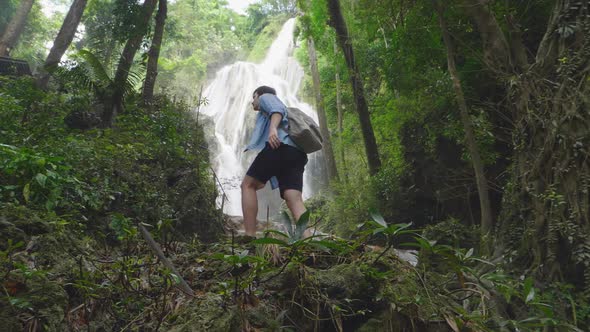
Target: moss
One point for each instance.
(39, 298)
(19, 223)
(344, 281)
(263, 316)
(194, 200)
(387, 320)
(8, 231)
(206, 313)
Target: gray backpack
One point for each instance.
(304, 131)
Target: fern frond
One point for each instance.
(98, 71)
(133, 80)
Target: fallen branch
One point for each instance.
(182, 285)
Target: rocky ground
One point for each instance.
(59, 280)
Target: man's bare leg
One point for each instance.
(250, 203)
(294, 201)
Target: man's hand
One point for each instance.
(273, 138)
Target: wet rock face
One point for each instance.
(194, 202)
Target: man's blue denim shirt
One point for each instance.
(269, 104)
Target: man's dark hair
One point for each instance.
(264, 89)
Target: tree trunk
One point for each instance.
(15, 27)
(328, 151)
(63, 40)
(482, 184)
(339, 110)
(339, 25)
(154, 53)
(496, 51)
(115, 104)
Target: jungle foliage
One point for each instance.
(523, 71)
(73, 189)
(72, 196)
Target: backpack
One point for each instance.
(304, 131)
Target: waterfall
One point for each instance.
(229, 98)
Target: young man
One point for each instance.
(280, 160)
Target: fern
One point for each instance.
(88, 72)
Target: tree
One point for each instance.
(101, 36)
(339, 108)
(482, 184)
(154, 52)
(63, 40)
(115, 102)
(15, 27)
(339, 25)
(328, 151)
(199, 39)
(548, 103)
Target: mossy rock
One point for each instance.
(39, 297)
(195, 206)
(50, 251)
(264, 317)
(345, 281)
(387, 320)
(207, 313)
(392, 321)
(19, 223)
(9, 232)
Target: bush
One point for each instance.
(145, 168)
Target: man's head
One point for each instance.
(259, 92)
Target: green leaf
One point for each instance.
(27, 192)
(287, 222)
(175, 278)
(41, 179)
(269, 240)
(324, 246)
(399, 229)
(20, 303)
(272, 231)
(378, 218)
(528, 285)
(469, 253)
(379, 230)
(40, 162)
(329, 244)
(530, 296)
(301, 225)
(483, 261)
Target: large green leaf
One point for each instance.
(287, 223)
(301, 225)
(378, 217)
(269, 240)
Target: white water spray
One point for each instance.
(229, 105)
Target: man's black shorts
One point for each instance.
(286, 163)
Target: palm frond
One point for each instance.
(98, 71)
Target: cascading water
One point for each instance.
(229, 99)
